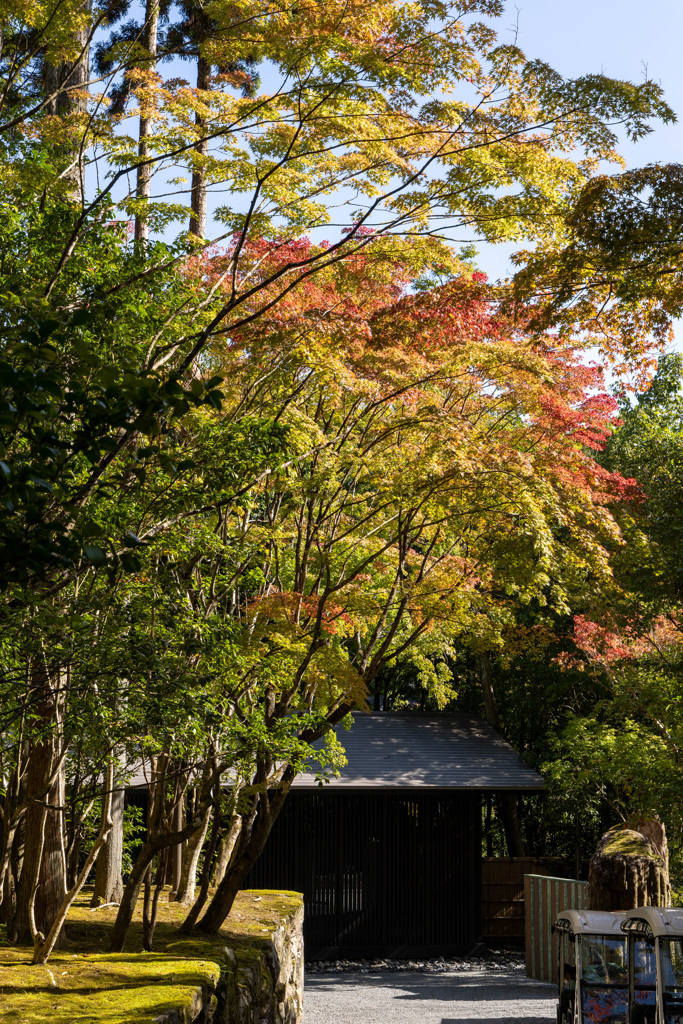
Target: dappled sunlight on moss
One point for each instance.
(86, 985)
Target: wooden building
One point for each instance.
(388, 855)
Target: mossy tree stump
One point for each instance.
(630, 868)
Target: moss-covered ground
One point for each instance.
(83, 984)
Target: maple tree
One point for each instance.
(623, 752)
(390, 471)
(358, 114)
(617, 274)
(438, 480)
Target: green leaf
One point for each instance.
(94, 554)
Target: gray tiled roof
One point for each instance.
(403, 750)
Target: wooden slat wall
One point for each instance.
(545, 898)
(382, 872)
(502, 893)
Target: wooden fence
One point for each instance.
(502, 893)
(545, 897)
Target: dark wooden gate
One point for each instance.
(382, 873)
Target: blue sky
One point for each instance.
(619, 38)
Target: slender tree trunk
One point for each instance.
(150, 908)
(73, 857)
(507, 802)
(11, 824)
(108, 879)
(377, 697)
(176, 860)
(198, 218)
(198, 906)
(144, 176)
(188, 875)
(255, 828)
(146, 901)
(9, 899)
(131, 892)
(486, 682)
(513, 833)
(227, 845)
(44, 822)
(159, 838)
(12, 876)
(146, 854)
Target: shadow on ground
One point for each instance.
(458, 997)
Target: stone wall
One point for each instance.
(263, 983)
(260, 973)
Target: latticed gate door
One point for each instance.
(381, 872)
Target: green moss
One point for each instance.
(115, 988)
(85, 984)
(627, 843)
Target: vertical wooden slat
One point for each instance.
(546, 898)
(545, 891)
(542, 899)
(535, 909)
(554, 885)
(528, 929)
(380, 872)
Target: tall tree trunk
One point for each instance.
(44, 821)
(507, 802)
(198, 906)
(198, 218)
(43, 945)
(144, 175)
(185, 892)
(108, 878)
(66, 84)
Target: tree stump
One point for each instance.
(630, 868)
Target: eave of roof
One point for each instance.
(411, 750)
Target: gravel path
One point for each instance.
(421, 997)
